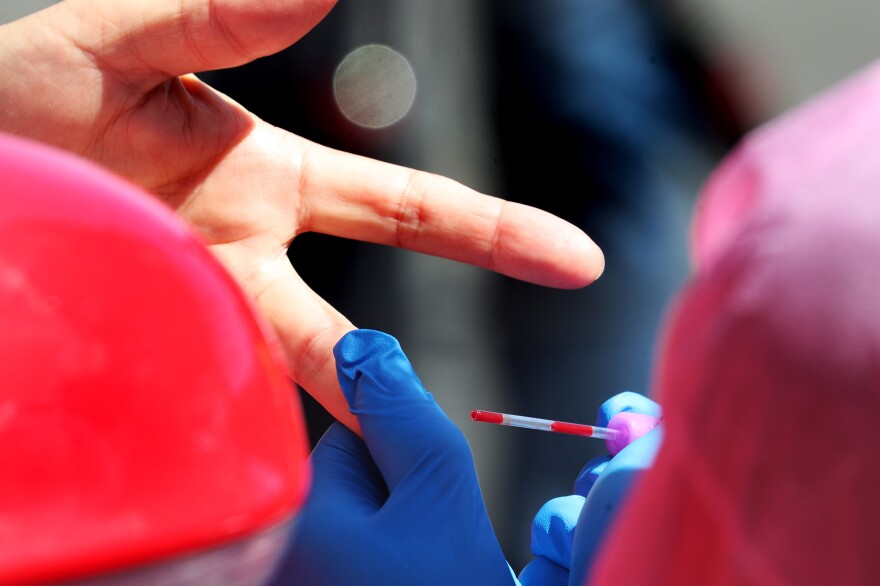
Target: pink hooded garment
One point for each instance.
(769, 374)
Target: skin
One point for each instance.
(111, 80)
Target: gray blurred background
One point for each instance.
(520, 99)
(796, 47)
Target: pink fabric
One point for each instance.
(770, 371)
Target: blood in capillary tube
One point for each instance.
(544, 424)
(487, 416)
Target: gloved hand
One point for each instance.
(402, 506)
(567, 530)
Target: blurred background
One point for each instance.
(609, 113)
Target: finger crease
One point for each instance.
(301, 170)
(495, 242)
(408, 220)
(315, 361)
(218, 23)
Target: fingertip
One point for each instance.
(589, 474)
(601, 264)
(592, 260)
(580, 259)
(375, 358)
(356, 346)
(403, 426)
(543, 572)
(554, 526)
(335, 435)
(626, 402)
(546, 250)
(342, 467)
(352, 350)
(586, 260)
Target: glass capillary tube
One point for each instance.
(544, 424)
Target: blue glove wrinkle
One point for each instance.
(374, 358)
(405, 430)
(342, 466)
(607, 496)
(543, 572)
(626, 402)
(553, 529)
(589, 474)
(345, 478)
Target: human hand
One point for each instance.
(108, 80)
(567, 531)
(401, 506)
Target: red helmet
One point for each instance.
(145, 420)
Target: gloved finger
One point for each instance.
(435, 501)
(344, 475)
(553, 529)
(626, 402)
(543, 572)
(405, 430)
(607, 496)
(346, 490)
(589, 474)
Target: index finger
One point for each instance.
(355, 197)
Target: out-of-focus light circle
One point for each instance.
(374, 86)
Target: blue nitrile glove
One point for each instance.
(605, 499)
(626, 402)
(402, 506)
(567, 530)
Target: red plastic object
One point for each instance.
(769, 374)
(143, 411)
